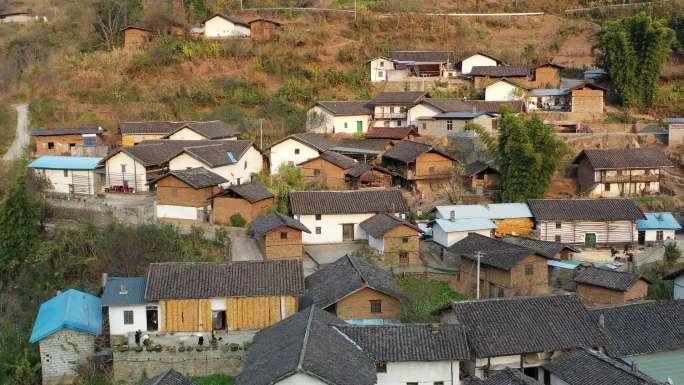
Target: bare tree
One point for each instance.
(455, 188)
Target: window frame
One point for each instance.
(283, 235)
(375, 306)
(127, 313)
(449, 125)
(318, 230)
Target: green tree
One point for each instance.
(672, 253)
(527, 152)
(288, 179)
(633, 50)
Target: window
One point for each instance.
(245, 165)
(424, 126)
(66, 173)
(283, 235)
(431, 170)
(450, 125)
(380, 74)
(51, 145)
(659, 235)
(237, 181)
(438, 383)
(296, 151)
(318, 231)
(128, 317)
(375, 306)
(557, 238)
(317, 172)
(345, 125)
(404, 240)
(72, 145)
(403, 258)
(123, 168)
(395, 109)
(495, 291)
(381, 367)
(411, 383)
(382, 63)
(318, 217)
(458, 276)
(558, 225)
(606, 186)
(529, 270)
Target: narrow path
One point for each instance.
(23, 136)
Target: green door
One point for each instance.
(359, 126)
(590, 239)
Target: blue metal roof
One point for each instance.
(469, 224)
(73, 310)
(548, 92)
(53, 162)
(675, 120)
(658, 221)
(491, 211)
(461, 115)
(124, 291)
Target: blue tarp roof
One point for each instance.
(658, 221)
(72, 310)
(469, 224)
(491, 211)
(461, 115)
(548, 92)
(53, 162)
(124, 291)
(675, 120)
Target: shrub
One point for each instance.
(237, 220)
(347, 54)
(672, 253)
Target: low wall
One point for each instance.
(129, 367)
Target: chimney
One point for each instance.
(452, 215)
(104, 280)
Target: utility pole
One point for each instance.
(478, 255)
(261, 134)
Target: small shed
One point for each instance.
(482, 178)
(279, 236)
(68, 174)
(65, 330)
(249, 200)
(265, 29)
(397, 239)
(602, 286)
(135, 37)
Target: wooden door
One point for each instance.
(590, 239)
(348, 232)
(642, 237)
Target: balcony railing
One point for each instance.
(390, 115)
(628, 178)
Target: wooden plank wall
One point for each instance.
(252, 313)
(186, 315)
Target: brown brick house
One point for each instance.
(419, 166)
(264, 29)
(353, 289)
(587, 98)
(64, 141)
(364, 175)
(328, 169)
(506, 270)
(545, 75)
(397, 239)
(598, 286)
(250, 200)
(184, 195)
(482, 177)
(279, 236)
(135, 37)
(395, 134)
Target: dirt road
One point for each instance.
(23, 136)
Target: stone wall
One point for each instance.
(130, 366)
(62, 353)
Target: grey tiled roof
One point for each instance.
(584, 209)
(149, 127)
(216, 154)
(214, 129)
(124, 291)
(274, 220)
(157, 152)
(254, 191)
(347, 202)
(319, 142)
(346, 276)
(306, 343)
(169, 377)
(67, 131)
(500, 71)
(422, 56)
(450, 104)
(391, 132)
(364, 144)
(229, 18)
(347, 108)
(507, 376)
(342, 161)
(379, 224)
(476, 167)
(197, 178)
(642, 327)
(407, 151)
(185, 280)
(508, 326)
(398, 98)
(359, 169)
(416, 342)
(588, 367)
(609, 279)
(495, 253)
(546, 248)
(625, 158)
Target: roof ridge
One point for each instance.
(353, 264)
(306, 338)
(616, 364)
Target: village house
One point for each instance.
(390, 109)
(278, 236)
(356, 291)
(453, 222)
(506, 269)
(297, 148)
(455, 124)
(329, 169)
(234, 160)
(620, 171)
(183, 196)
(265, 29)
(482, 178)
(678, 285)
(249, 201)
(133, 133)
(18, 17)
(477, 59)
(506, 376)
(418, 166)
(169, 377)
(67, 141)
(220, 26)
(395, 134)
(505, 89)
(545, 75)
(521, 332)
(598, 286)
(123, 303)
(69, 174)
(291, 351)
(135, 37)
(396, 239)
(206, 296)
(675, 131)
(657, 227)
(65, 330)
(588, 222)
(401, 65)
(339, 117)
(364, 175)
(426, 110)
(363, 150)
(550, 250)
(648, 335)
(588, 366)
(334, 216)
